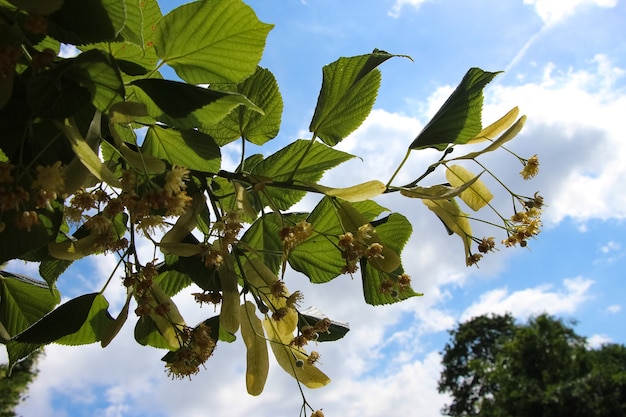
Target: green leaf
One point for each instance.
(79, 22)
(211, 41)
(261, 88)
(19, 243)
(349, 90)
(281, 166)
(50, 270)
(336, 330)
(393, 232)
(477, 195)
(96, 325)
(172, 282)
(63, 91)
(187, 148)
(66, 319)
(140, 25)
(147, 334)
(459, 119)
(319, 257)
(23, 301)
(115, 327)
(186, 106)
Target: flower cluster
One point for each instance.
(293, 235)
(395, 286)
(311, 333)
(531, 167)
(354, 247)
(227, 231)
(46, 187)
(197, 347)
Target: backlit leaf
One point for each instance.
(260, 88)
(477, 195)
(459, 119)
(257, 360)
(23, 301)
(349, 90)
(187, 148)
(211, 41)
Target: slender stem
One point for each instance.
(406, 156)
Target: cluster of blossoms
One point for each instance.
(354, 247)
(525, 224)
(293, 235)
(227, 231)
(45, 187)
(197, 346)
(140, 283)
(394, 286)
(311, 333)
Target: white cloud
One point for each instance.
(614, 308)
(597, 340)
(555, 11)
(611, 246)
(399, 4)
(527, 302)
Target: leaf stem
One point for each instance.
(406, 156)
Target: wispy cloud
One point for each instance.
(399, 4)
(537, 300)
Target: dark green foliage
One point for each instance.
(495, 367)
(13, 387)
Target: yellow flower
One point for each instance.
(531, 168)
(50, 179)
(175, 180)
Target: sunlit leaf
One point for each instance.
(497, 127)
(23, 301)
(257, 360)
(66, 319)
(96, 324)
(126, 112)
(211, 41)
(86, 154)
(315, 159)
(459, 119)
(349, 90)
(115, 327)
(187, 148)
(359, 192)
(229, 313)
(477, 195)
(504, 138)
(260, 88)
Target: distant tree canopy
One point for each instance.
(496, 367)
(13, 387)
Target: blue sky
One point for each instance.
(565, 65)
